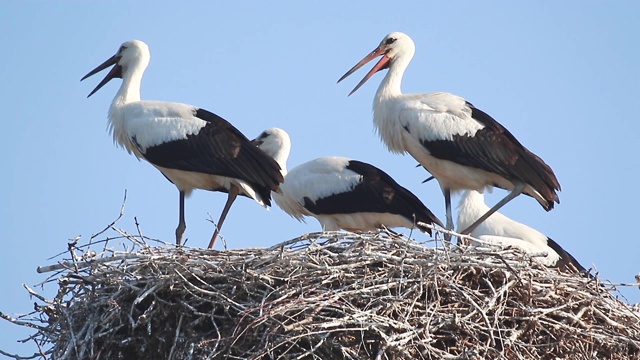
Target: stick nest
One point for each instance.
(326, 296)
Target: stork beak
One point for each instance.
(116, 72)
(381, 65)
(256, 142)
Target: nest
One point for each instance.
(324, 296)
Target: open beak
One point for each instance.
(116, 72)
(381, 65)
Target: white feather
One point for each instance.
(317, 179)
(153, 123)
(500, 230)
(321, 178)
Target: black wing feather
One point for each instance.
(378, 193)
(219, 149)
(566, 258)
(496, 150)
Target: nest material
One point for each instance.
(328, 296)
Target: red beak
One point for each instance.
(381, 65)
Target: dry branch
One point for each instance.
(324, 296)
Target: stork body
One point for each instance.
(192, 147)
(460, 145)
(342, 193)
(499, 230)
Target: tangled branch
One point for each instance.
(324, 296)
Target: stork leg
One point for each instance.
(517, 190)
(182, 225)
(447, 205)
(233, 193)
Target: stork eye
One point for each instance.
(390, 41)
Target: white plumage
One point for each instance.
(342, 193)
(461, 146)
(151, 123)
(192, 147)
(499, 230)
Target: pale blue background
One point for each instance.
(562, 76)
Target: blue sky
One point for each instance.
(561, 76)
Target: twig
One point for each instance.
(320, 296)
(124, 201)
(83, 264)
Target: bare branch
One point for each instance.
(332, 295)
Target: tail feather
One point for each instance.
(567, 262)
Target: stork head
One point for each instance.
(393, 47)
(131, 54)
(275, 143)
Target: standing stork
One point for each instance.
(192, 147)
(498, 229)
(342, 193)
(460, 145)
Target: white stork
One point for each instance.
(460, 145)
(192, 147)
(499, 230)
(342, 193)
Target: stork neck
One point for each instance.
(130, 89)
(391, 85)
(283, 169)
(281, 158)
(473, 201)
(278, 147)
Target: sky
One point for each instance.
(561, 76)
